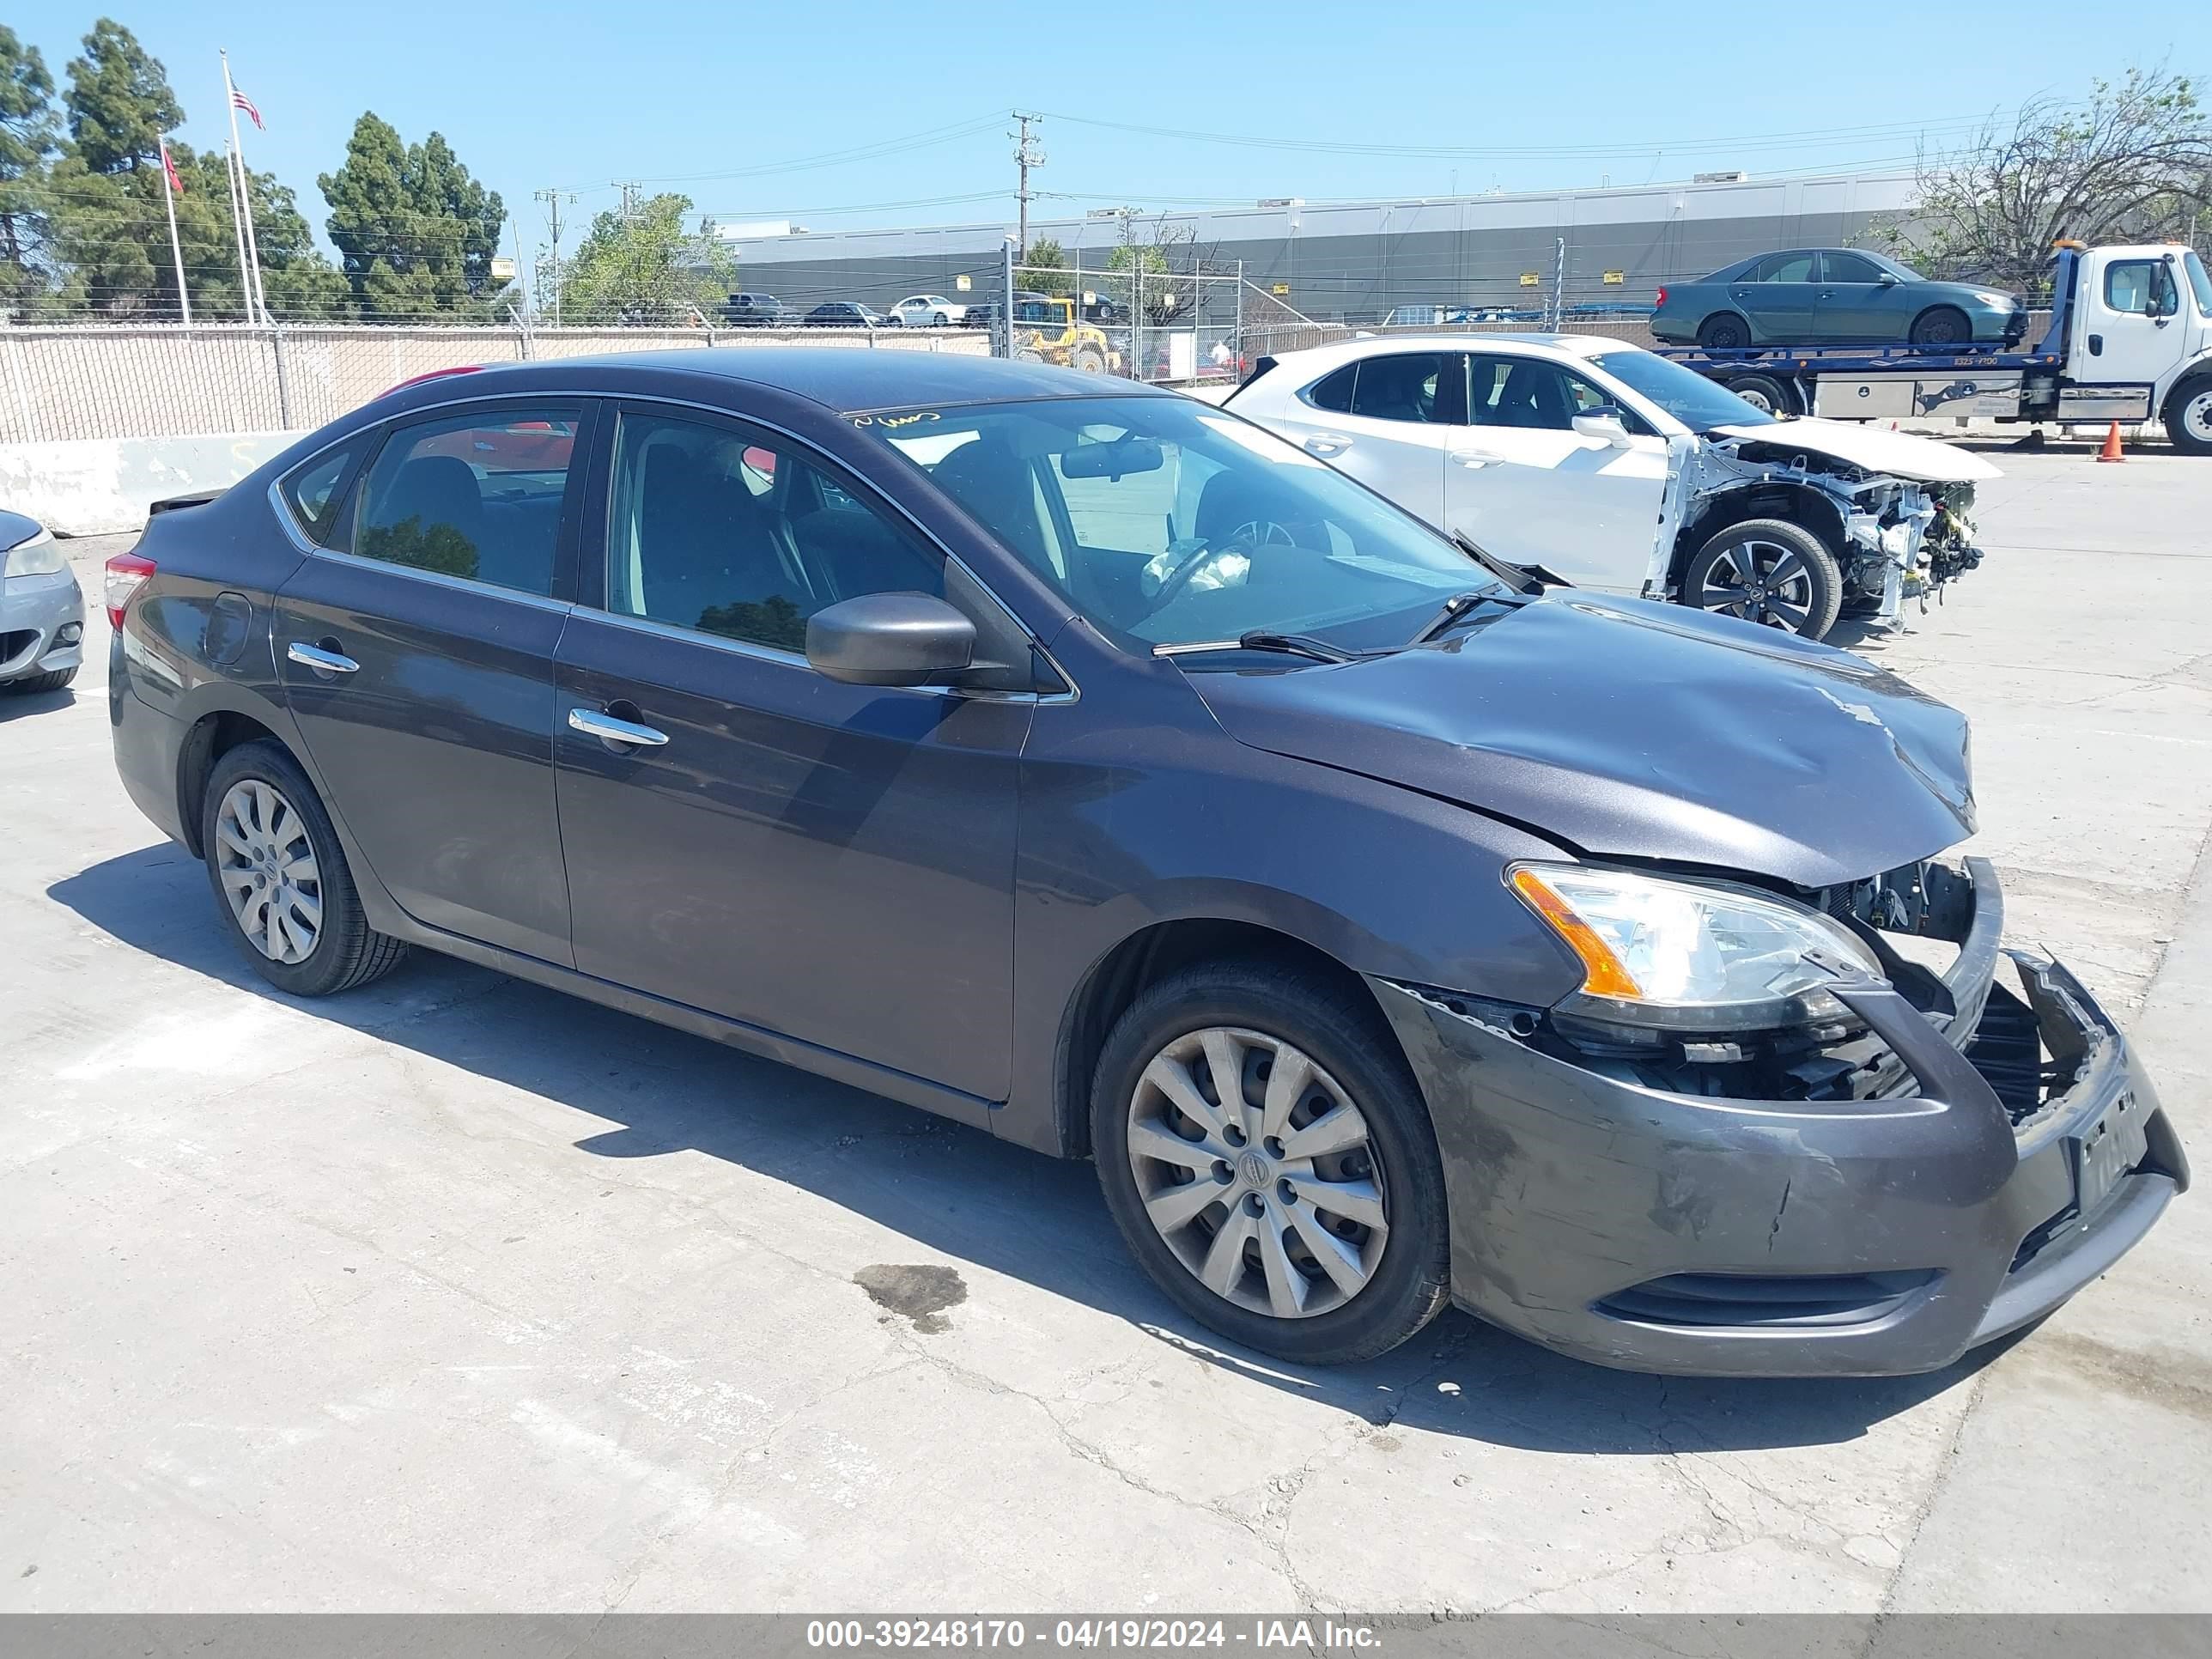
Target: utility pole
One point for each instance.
(628, 189)
(1026, 155)
(552, 198)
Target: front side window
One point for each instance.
(1168, 522)
(2142, 287)
(312, 489)
(476, 496)
(714, 530)
(1783, 268)
(1848, 268)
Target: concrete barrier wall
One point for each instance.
(90, 486)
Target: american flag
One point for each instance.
(239, 101)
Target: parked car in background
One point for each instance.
(41, 610)
(927, 311)
(843, 314)
(1090, 766)
(1616, 470)
(755, 311)
(1831, 296)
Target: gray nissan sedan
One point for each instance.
(1086, 763)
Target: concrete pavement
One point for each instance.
(456, 1293)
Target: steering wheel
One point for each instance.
(1253, 533)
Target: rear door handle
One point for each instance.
(608, 729)
(1328, 443)
(1475, 458)
(324, 659)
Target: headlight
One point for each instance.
(1687, 956)
(2001, 301)
(42, 556)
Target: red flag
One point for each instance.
(170, 168)
(245, 103)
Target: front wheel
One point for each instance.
(2188, 418)
(1941, 326)
(1269, 1162)
(281, 879)
(31, 684)
(1768, 571)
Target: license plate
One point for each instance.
(2108, 1152)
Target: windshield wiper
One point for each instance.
(1295, 645)
(1449, 612)
(1524, 579)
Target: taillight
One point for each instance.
(1663, 296)
(126, 575)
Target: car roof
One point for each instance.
(1514, 342)
(839, 378)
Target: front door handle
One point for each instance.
(1328, 443)
(324, 659)
(608, 729)
(1471, 457)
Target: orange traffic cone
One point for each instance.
(2111, 451)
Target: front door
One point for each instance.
(1778, 297)
(1855, 305)
(1528, 487)
(830, 862)
(2132, 323)
(416, 657)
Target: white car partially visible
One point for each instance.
(1615, 469)
(928, 311)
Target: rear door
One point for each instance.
(417, 656)
(1525, 486)
(830, 862)
(1385, 419)
(1856, 307)
(1778, 297)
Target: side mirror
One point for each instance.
(1604, 423)
(1887, 279)
(889, 639)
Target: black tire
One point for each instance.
(939, 319)
(31, 684)
(1724, 331)
(2189, 417)
(347, 951)
(1941, 325)
(1770, 392)
(1090, 359)
(1812, 602)
(1411, 1281)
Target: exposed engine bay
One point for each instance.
(1900, 538)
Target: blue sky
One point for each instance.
(577, 95)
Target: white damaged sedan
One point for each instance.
(1609, 467)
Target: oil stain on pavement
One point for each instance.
(921, 1294)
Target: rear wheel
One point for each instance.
(1944, 326)
(1090, 359)
(1769, 393)
(1269, 1162)
(281, 878)
(52, 680)
(2188, 418)
(1725, 332)
(1767, 571)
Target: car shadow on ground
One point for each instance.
(21, 705)
(958, 1192)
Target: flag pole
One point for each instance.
(237, 222)
(250, 250)
(176, 249)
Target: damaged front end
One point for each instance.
(1900, 539)
(1916, 1163)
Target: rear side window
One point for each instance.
(1401, 386)
(1784, 268)
(314, 488)
(474, 495)
(1333, 392)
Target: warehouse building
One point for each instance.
(1358, 261)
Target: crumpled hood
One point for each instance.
(1635, 730)
(1901, 455)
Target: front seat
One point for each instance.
(995, 487)
(704, 544)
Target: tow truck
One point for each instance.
(2129, 340)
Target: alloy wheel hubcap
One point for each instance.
(267, 867)
(1256, 1167)
(1761, 582)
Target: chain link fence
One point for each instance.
(1158, 326)
(166, 380)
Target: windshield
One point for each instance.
(1689, 397)
(2198, 280)
(1167, 522)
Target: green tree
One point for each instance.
(1044, 269)
(119, 102)
(29, 135)
(2134, 163)
(416, 233)
(643, 267)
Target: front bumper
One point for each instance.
(1705, 1235)
(41, 624)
